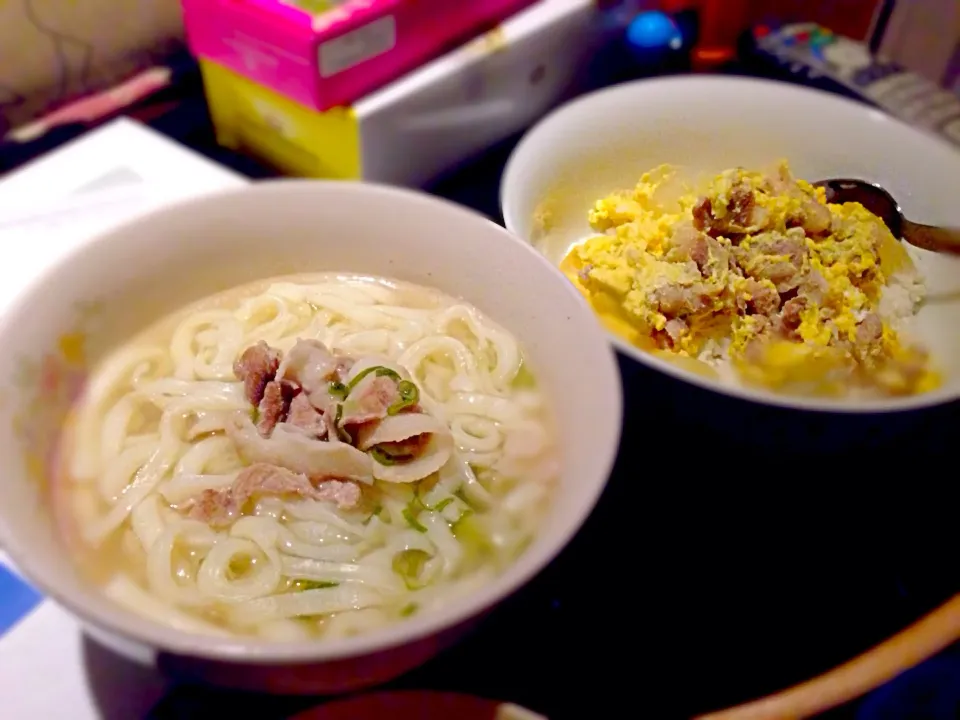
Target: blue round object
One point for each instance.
(652, 30)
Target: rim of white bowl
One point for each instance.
(246, 650)
(558, 117)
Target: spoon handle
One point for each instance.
(908, 648)
(936, 239)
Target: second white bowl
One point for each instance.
(605, 141)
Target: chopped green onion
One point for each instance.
(409, 396)
(409, 565)
(469, 530)
(383, 457)
(459, 512)
(338, 390)
(474, 538)
(341, 432)
(373, 514)
(425, 487)
(412, 520)
(524, 378)
(409, 609)
(394, 450)
(380, 371)
(419, 491)
(301, 585)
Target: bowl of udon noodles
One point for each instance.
(296, 437)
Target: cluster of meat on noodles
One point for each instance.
(344, 459)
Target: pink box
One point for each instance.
(339, 55)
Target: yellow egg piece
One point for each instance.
(571, 263)
(607, 308)
(893, 255)
(692, 365)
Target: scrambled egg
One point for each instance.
(759, 270)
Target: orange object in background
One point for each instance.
(722, 21)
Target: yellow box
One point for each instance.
(428, 121)
(292, 138)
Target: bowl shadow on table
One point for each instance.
(737, 550)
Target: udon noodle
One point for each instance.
(311, 456)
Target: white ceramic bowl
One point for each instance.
(605, 141)
(153, 265)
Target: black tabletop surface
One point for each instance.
(736, 550)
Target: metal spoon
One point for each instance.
(882, 204)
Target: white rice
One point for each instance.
(717, 355)
(901, 298)
(713, 352)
